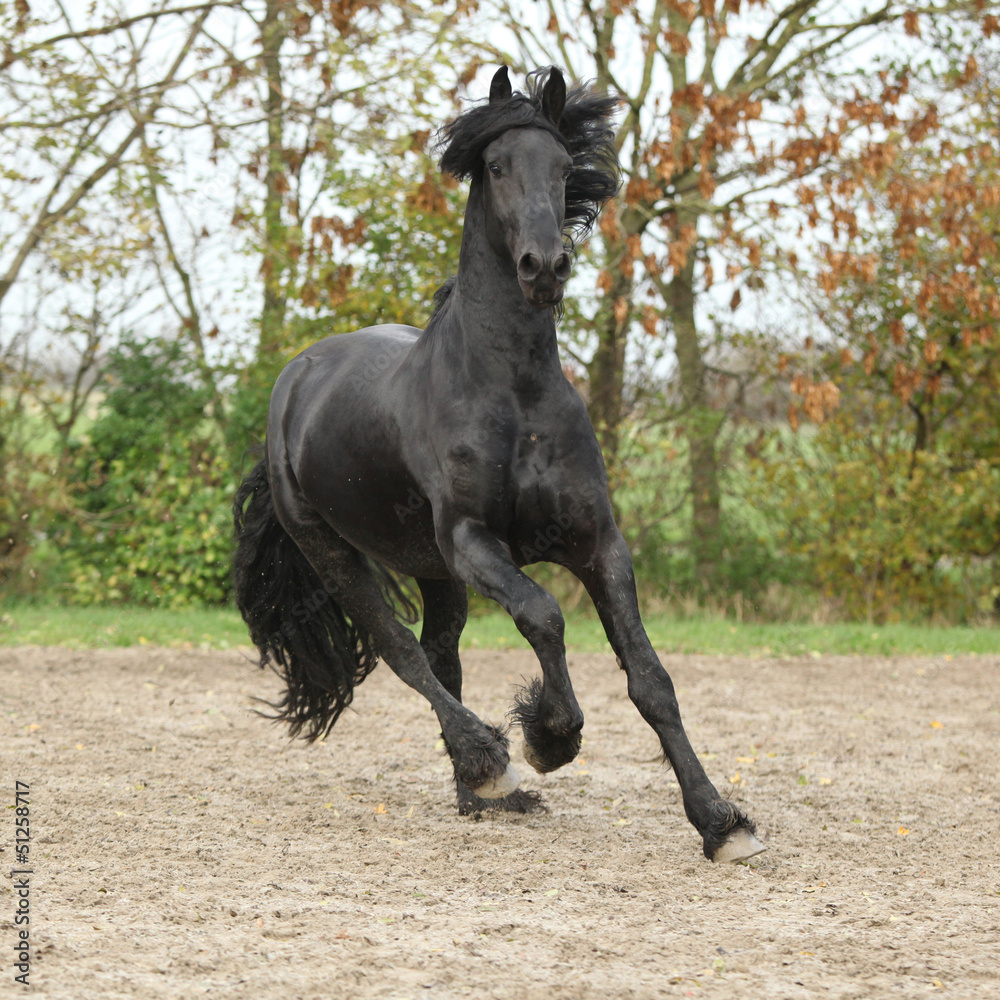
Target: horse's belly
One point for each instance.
(392, 525)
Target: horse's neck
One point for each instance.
(499, 330)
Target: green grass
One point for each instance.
(101, 627)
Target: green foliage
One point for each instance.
(746, 562)
(384, 265)
(162, 536)
(894, 502)
(653, 509)
(153, 396)
(32, 491)
(246, 413)
(152, 521)
(33, 488)
(887, 533)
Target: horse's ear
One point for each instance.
(554, 96)
(500, 89)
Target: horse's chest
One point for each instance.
(479, 479)
(534, 462)
(506, 466)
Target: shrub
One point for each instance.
(151, 523)
(888, 533)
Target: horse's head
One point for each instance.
(525, 172)
(544, 162)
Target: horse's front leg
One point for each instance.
(548, 712)
(446, 608)
(727, 833)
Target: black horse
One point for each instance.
(456, 455)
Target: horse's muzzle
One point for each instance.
(543, 277)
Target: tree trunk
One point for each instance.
(49, 214)
(274, 262)
(701, 427)
(247, 416)
(606, 371)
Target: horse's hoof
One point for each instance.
(544, 749)
(555, 753)
(738, 846)
(519, 801)
(500, 786)
(533, 759)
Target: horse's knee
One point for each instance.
(540, 620)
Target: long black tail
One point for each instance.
(294, 622)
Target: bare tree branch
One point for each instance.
(48, 216)
(10, 56)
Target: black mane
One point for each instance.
(586, 129)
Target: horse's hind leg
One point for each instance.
(446, 608)
(478, 751)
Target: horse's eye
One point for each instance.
(495, 169)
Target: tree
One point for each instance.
(734, 113)
(242, 113)
(75, 111)
(150, 516)
(323, 94)
(894, 498)
(404, 233)
(78, 92)
(140, 151)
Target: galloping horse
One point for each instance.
(456, 455)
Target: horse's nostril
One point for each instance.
(529, 266)
(532, 267)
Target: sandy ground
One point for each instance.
(183, 847)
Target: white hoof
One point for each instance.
(500, 786)
(740, 845)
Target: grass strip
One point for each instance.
(222, 628)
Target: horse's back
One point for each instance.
(357, 341)
(363, 354)
(336, 377)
